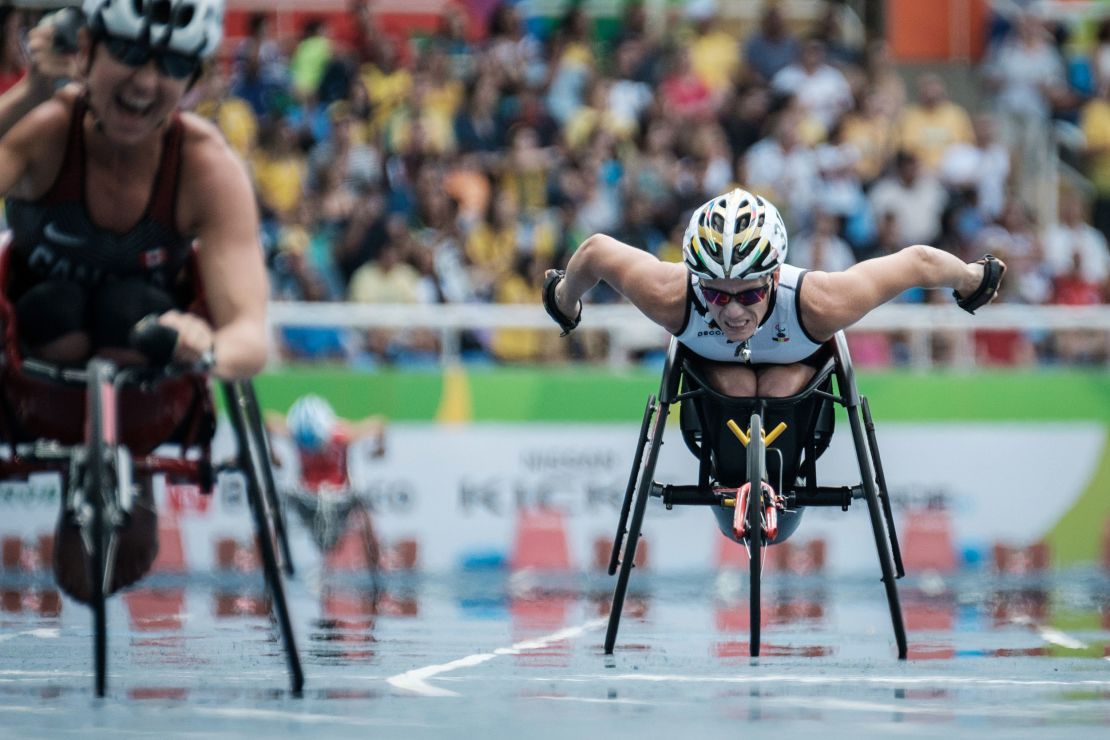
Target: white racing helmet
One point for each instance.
(189, 27)
(737, 235)
(311, 422)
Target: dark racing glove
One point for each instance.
(993, 271)
(565, 323)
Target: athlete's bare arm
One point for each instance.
(45, 67)
(31, 152)
(831, 301)
(217, 205)
(656, 288)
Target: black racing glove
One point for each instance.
(992, 277)
(565, 323)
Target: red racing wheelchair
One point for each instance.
(106, 430)
(757, 480)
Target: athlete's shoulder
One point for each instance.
(203, 137)
(206, 155)
(790, 275)
(48, 119)
(817, 300)
(215, 187)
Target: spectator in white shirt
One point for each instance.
(983, 166)
(916, 199)
(818, 86)
(780, 166)
(1072, 237)
(821, 248)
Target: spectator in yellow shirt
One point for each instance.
(714, 53)
(491, 246)
(517, 286)
(1095, 121)
(934, 123)
(871, 130)
(233, 115)
(387, 83)
(279, 169)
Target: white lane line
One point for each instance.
(248, 713)
(1051, 635)
(47, 633)
(593, 700)
(1056, 637)
(1010, 711)
(416, 680)
(895, 681)
(27, 710)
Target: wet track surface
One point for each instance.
(500, 656)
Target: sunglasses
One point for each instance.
(135, 54)
(748, 297)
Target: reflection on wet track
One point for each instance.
(494, 655)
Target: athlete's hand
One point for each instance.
(48, 57)
(195, 338)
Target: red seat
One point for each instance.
(40, 404)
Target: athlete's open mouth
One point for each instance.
(133, 105)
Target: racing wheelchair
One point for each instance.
(757, 480)
(105, 430)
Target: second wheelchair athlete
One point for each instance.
(109, 189)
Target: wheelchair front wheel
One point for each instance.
(630, 490)
(757, 464)
(100, 431)
(256, 427)
(251, 461)
(643, 492)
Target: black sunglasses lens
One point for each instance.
(128, 52)
(752, 296)
(715, 297)
(170, 63)
(177, 66)
(748, 297)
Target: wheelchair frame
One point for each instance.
(97, 469)
(97, 479)
(682, 382)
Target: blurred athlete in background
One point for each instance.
(323, 494)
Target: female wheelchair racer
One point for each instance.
(122, 206)
(751, 332)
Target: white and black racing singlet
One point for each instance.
(781, 339)
(54, 238)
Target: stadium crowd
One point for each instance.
(454, 167)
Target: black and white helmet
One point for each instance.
(736, 235)
(189, 27)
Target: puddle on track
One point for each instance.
(497, 655)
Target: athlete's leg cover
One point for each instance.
(50, 310)
(118, 305)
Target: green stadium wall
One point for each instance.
(577, 395)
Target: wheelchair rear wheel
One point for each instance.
(757, 464)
